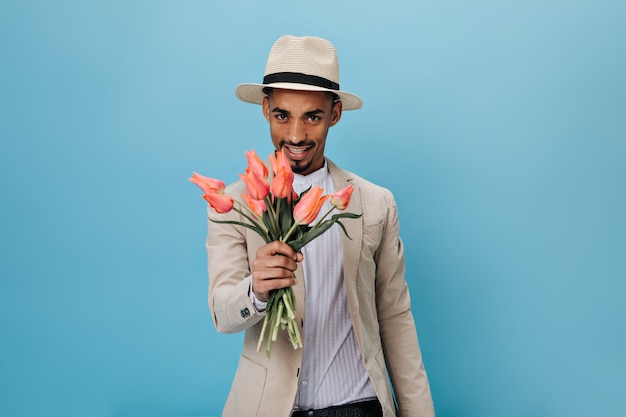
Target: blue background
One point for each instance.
(499, 125)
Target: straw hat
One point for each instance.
(300, 63)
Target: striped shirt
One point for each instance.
(332, 369)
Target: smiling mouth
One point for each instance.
(297, 151)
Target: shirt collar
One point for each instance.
(314, 177)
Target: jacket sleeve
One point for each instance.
(229, 275)
(397, 327)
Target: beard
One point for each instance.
(300, 167)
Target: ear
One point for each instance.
(335, 113)
(266, 108)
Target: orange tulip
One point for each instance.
(208, 185)
(309, 206)
(341, 198)
(255, 164)
(221, 203)
(258, 187)
(258, 207)
(279, 162)
(282, 184)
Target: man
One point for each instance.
(352, 299)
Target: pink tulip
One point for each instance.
(309, 206)
(258, 207)
(255, 164)
(208, 185)
(258, 188)
(221, 203)
(341, 198)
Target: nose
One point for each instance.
(296, 132)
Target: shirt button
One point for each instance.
(304, 383)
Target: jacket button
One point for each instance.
(245, 312)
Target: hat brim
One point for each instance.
(253, 93)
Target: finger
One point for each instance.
(273, 269)
(277, 248)
(265, 286)
(274, 262)
(262, 288)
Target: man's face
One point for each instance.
(299, 123)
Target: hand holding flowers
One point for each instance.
(277, 213)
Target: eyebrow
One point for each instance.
(309, 113)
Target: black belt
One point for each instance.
(360, 409)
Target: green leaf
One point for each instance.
(336, 218)
(345, 215)
(308, 233)
(309, 236)
(285, 218)
(258, 230)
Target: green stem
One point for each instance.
(294, 336)
(276, 326)
(254, 221)
(273, 218)
(323, 217)
(262, 336)
(287, 302)
(290, 232)
(277, 218)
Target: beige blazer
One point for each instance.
(378, 299)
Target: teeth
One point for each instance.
(295, 150)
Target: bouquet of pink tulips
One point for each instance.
(276, 212)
